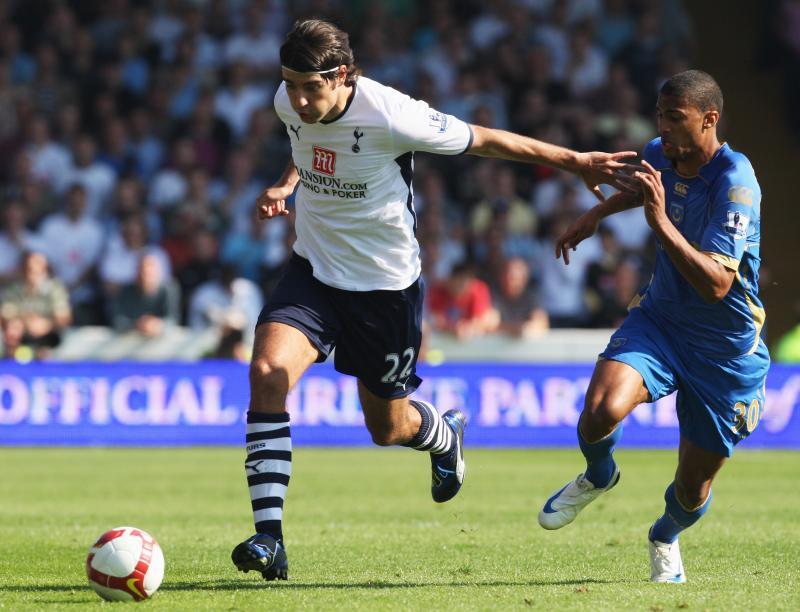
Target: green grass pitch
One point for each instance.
(362, 532)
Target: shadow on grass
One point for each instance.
(235, 585)
(42, 588)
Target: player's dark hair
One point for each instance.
(696, 86)
(313, 45)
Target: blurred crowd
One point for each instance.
(137, 135)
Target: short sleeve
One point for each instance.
(734, 217)
(418, 127)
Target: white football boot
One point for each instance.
(564, 505)
(666, 564)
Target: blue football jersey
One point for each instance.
(718, 212)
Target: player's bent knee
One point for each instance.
(268, 380)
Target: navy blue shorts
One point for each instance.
(376, 334)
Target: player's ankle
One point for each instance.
(600, 473)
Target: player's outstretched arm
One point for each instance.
(586, 225)
(709, 278)
(272, 201)
(594, 168)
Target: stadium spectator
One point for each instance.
(226, 302)
(612, 292)
(516, 302)
(170, 185)
(73, 241)
(34, 310)
(209, 134)
(15, 239)
(201, 266)
(562, 287)
(253, 45)
(98, 179)
(148, 151)
(237, 190)
(461, 305)
(148, 304)
(237, 101)
(125, 247)
(50, 160)
(259, 250)
(519, 215)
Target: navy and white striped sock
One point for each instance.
(434, 435)
(268, 467)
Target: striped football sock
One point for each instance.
(434, 435)
(268, 467)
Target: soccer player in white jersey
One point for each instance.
(353, 281)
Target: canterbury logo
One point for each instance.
(741, 194)
(681, 189)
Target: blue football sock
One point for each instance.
(675, 518)
(599, 462)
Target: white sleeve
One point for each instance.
(418, 127)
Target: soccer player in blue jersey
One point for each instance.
(695, 328)
(353, 281)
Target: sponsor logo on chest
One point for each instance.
(324, 161)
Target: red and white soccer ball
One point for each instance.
(125, 564)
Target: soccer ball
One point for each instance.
(125, 564)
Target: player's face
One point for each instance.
(312, 97)
(681, 127)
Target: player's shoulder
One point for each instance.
(381, 97)
(730, 167)
(735, 162)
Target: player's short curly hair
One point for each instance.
(313, 45)
(697, 87)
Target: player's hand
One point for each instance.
(652, 195)
(272, 202)
(597, 168)
(582, 228)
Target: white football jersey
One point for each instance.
(355, 218)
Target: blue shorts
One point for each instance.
(376, 334)
(719, 401)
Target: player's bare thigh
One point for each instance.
(614, 391)
(389, 421)
(281, 353)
